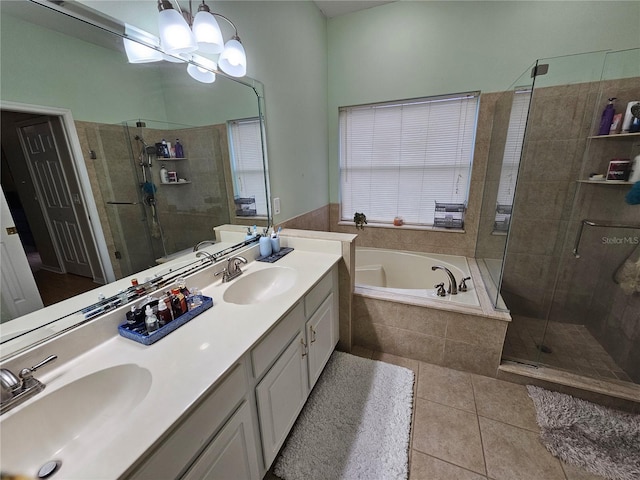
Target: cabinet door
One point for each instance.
(232, 453)
(281, 395)
(321, 336)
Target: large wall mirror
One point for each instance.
(92, 195)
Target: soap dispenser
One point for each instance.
(607, 118)
(265, 245)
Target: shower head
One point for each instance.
(141, 140)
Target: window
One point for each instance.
(511, 159)
(400, 158)
(245, 143)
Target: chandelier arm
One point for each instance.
(230, 22)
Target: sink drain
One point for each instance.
(49, 469)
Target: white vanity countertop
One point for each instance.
(183, 365)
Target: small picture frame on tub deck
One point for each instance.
(619, 169)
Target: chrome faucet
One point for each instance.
(206, 254)
(232, 270)
(197, 246)
(17, 390)
(453, 286)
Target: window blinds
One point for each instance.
(511, 158)
(399, 158)
(246, 162)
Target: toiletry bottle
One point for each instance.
(151, 321)
(179, 303)
(179, 149)
(131, 315)
(635, 170)
(164, 174)
(248, 236)
(275, 242)
(165, 148)
(607, 118)
(182, 285)
(164, 314)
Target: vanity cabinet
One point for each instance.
(232, 454)
(217, 436)
(308, 335)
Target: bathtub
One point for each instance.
(409, 274)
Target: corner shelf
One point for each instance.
(172, 159)
(605, 182)
(616, 135)
(176, 183)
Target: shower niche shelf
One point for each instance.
(606, 182)
(171, 159)
(177, 183)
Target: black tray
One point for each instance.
(274, 257)
(127, 331)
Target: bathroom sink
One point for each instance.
(259, 286)
(62, 424)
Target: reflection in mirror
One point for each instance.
(78, 101)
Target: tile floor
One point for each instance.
(470, 427)
(572, 348)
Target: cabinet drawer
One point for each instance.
(317, 294)
(195, 431)
(269, 348)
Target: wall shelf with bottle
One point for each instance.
(186, 182)
(172, 159)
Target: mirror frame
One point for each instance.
(79, 314)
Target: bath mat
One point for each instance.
(355, 424)
(602, 440)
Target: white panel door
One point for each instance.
(53, 194)
(19, 291)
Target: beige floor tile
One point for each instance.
(449, 434)
(426, 467)
(504, 401)
(446, 386)
(578, 473)
(514, 453)
(396, 360)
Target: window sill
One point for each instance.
(428, 228)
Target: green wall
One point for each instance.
(417, 48)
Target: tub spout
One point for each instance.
(453, 286)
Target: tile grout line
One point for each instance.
(475, 404)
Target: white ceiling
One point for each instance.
(333, 8)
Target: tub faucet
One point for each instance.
(203, 242)
(204, 253)
(453, 286)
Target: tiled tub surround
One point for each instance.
(456, 336)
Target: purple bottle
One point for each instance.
(607, 118)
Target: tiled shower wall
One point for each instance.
(187, 212)
(541, 274)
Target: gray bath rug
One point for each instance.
(355, 424)
(603, 441)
